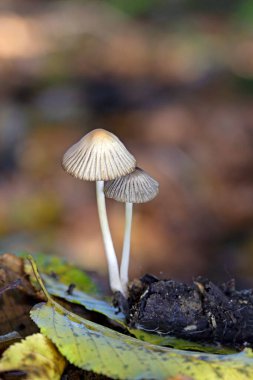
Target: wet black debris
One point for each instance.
(201, 311)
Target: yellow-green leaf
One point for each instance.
(182, 344)
(63, 271)
(96, 348)
(36, 356)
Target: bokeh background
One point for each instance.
(174, 80)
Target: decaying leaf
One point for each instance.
(16, 298)
(36, 356)
(7, 339)
(12, 285)
(96, 348)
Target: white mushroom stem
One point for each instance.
(126, 246)
(112, 262)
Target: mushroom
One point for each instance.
(100, 156)
(136, 187)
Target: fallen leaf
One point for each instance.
(8, 339)
(16, 298)
(63, 271)
(96, 348)
(182, 344)
(14, 284)
(36, 356)
(78, 297)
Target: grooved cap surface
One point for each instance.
(98, 156)
(136, 187)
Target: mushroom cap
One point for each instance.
(136, 187)
(98, 156)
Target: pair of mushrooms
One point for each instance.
(100, 156)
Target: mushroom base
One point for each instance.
(201, 311)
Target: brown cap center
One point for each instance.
(100, 134)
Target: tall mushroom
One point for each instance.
(136, 187)
(100, 156)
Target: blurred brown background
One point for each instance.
(174, 81)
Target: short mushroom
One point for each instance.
(100, 156)
(136, 187)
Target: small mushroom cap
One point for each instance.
(136, 187)
(98, 156)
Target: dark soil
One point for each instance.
(201, 311)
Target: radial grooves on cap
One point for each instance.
(136, 187)
(98, 156)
